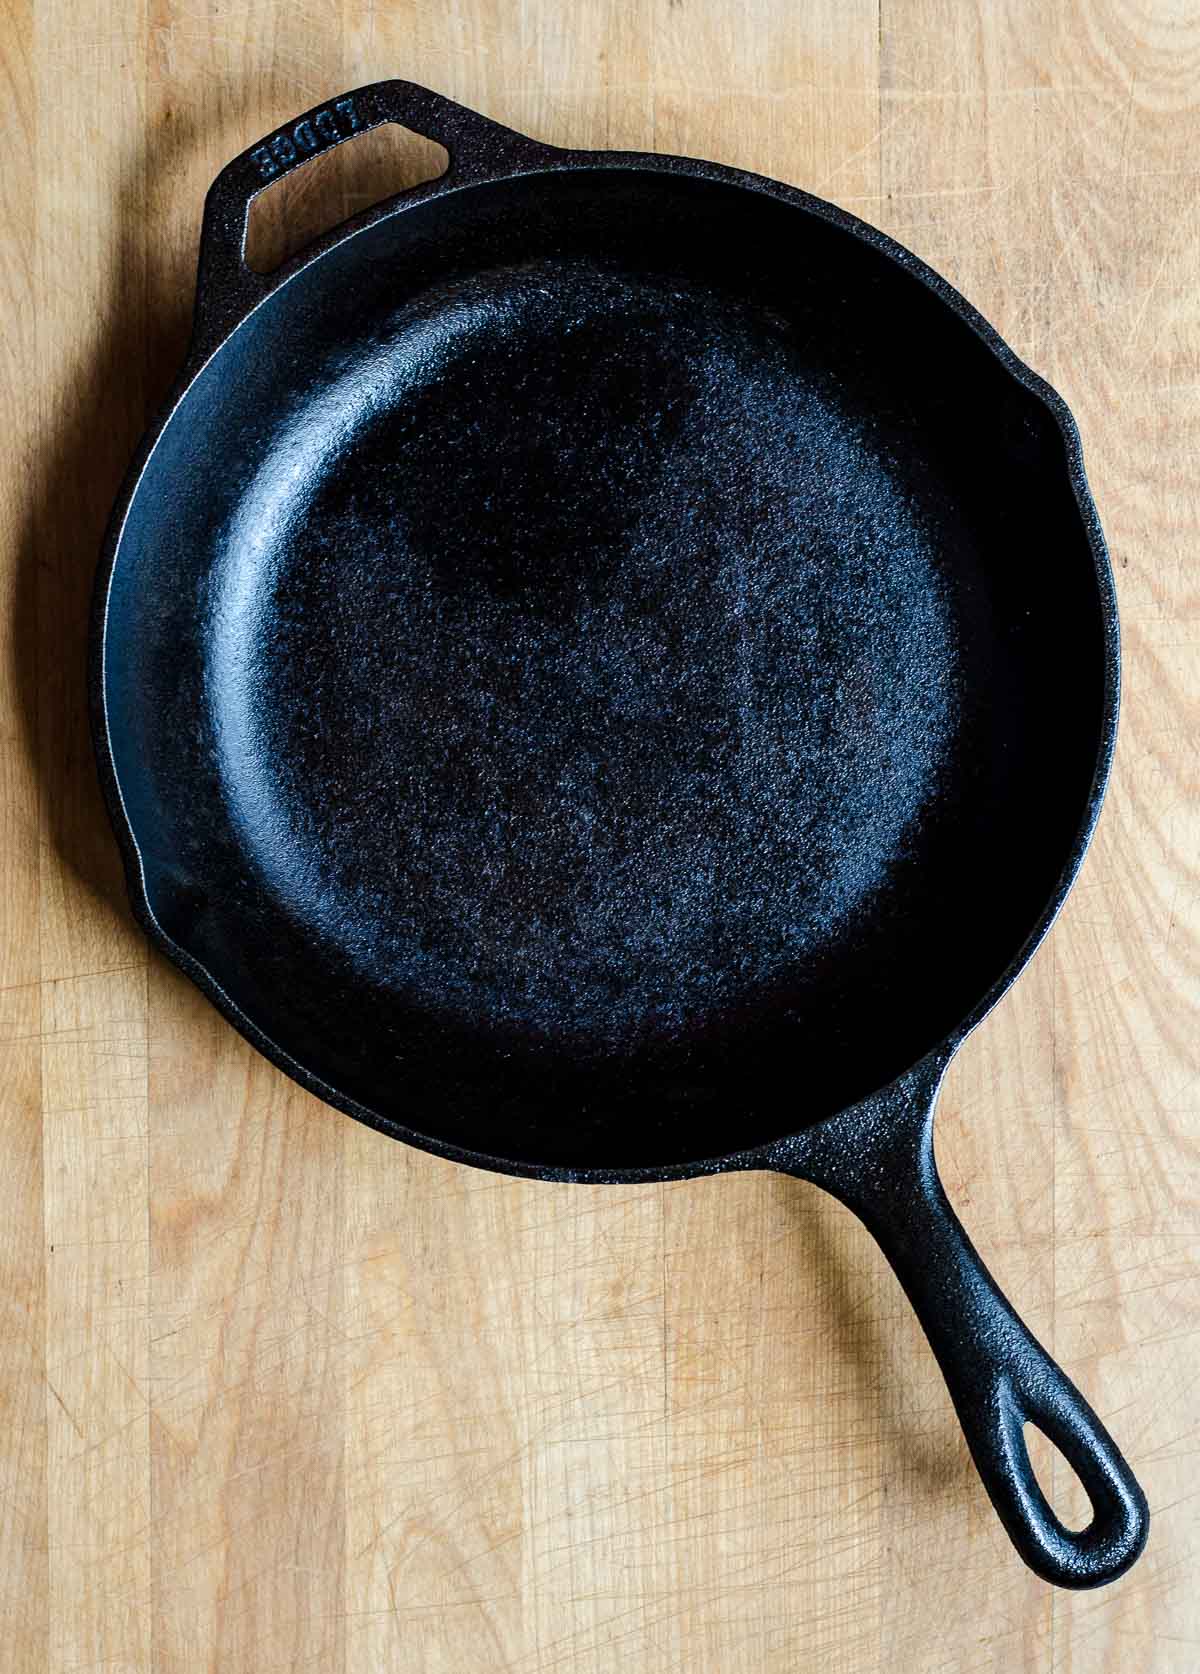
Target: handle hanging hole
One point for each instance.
(1056, 1477)
(333, 185)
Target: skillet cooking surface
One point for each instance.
(612, 647)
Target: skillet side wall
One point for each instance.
(1010, 693)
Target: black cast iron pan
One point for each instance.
(605, 669)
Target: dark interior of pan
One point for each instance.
(604, 668)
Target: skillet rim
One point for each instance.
(522, 157)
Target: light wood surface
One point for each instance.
(278, 1394)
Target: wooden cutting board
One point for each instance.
(281, 1395)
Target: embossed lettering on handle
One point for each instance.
(226, 289)
(279, 151)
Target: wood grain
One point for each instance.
(278, 1394)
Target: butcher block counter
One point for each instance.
(280, 1394)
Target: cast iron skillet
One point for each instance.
(605, 669)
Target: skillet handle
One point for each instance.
(226, 289)
(878, 1160)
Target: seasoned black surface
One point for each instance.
(607, 673)
(610, 668)
(560, 696)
